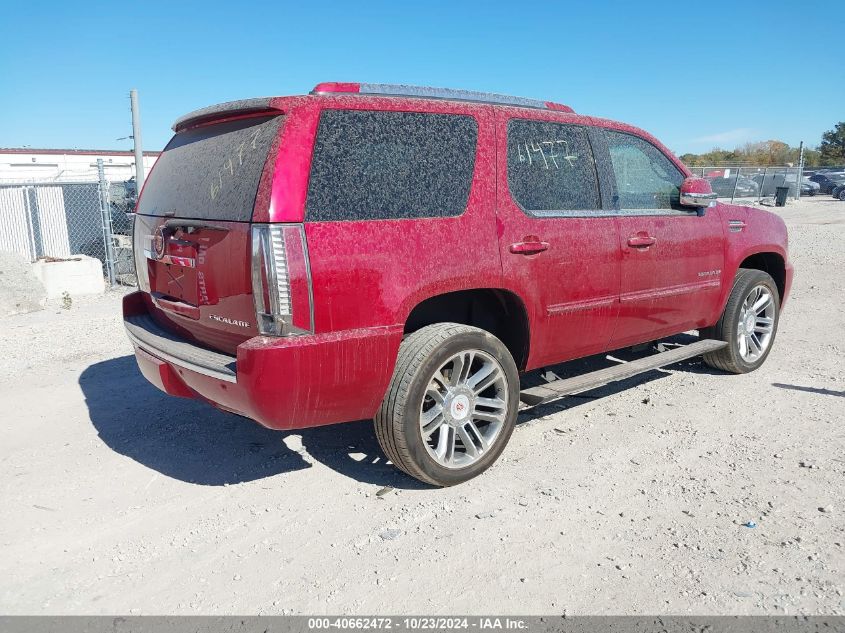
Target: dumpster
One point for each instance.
(780, 196)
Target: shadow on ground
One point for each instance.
(193, 442)
(819, 390)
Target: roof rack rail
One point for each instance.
(400, 90)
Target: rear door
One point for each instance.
(672, 257)
(559, 248)
(192, 231)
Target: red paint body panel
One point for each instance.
(315, 381)
(290, 382)
(588, 284)
(162, 375)
(764, 232)
(672, 285)
(219, 284)
(571, 289)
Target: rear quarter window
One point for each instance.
(374, 165)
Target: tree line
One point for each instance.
(830, 152)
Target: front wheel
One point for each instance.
(748, 324)
(451, 405)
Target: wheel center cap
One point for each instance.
(459, 409)
(750, 322)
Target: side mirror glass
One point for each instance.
(697, 193)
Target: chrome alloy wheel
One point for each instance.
(756, 323)
(464, 408)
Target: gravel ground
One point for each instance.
(631, 499)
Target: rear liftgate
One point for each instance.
(556, 389)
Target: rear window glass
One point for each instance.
(211, 172)
(550, 167)
(386, 165)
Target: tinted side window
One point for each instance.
(384, 165)
(645, 177)
(550, 167)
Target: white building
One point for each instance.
(51, 205)
(24, 164)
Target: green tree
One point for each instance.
(715, 156)
(833, 145)
(812, 158)
(762, 153)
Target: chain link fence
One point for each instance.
(92, 216)
(60, 220)
(754, 184)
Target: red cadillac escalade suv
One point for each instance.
(404, 253)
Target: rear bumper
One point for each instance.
(282, 383)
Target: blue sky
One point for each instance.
(696, 75)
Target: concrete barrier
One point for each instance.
(79, 275)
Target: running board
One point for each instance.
(568, 386)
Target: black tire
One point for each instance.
(397, 422)
(842, 195)
(730, 358)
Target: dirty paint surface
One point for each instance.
(572, 218)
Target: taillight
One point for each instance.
(139, 247)
(281, 280)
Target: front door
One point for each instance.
(672, 257)
(559, 249)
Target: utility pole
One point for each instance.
(800, 169)
(136, 137)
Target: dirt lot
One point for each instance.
(631, 499)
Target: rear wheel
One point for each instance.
(748, 324)
(451, 405)
(842, 195)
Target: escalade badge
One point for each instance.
(228, 321)
(158, 242)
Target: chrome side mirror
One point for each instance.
(697, 193)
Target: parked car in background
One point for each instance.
(403, 254)
(839, 192)
(732, 186)
(828, 180)
(122, 198)
(808, 187)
